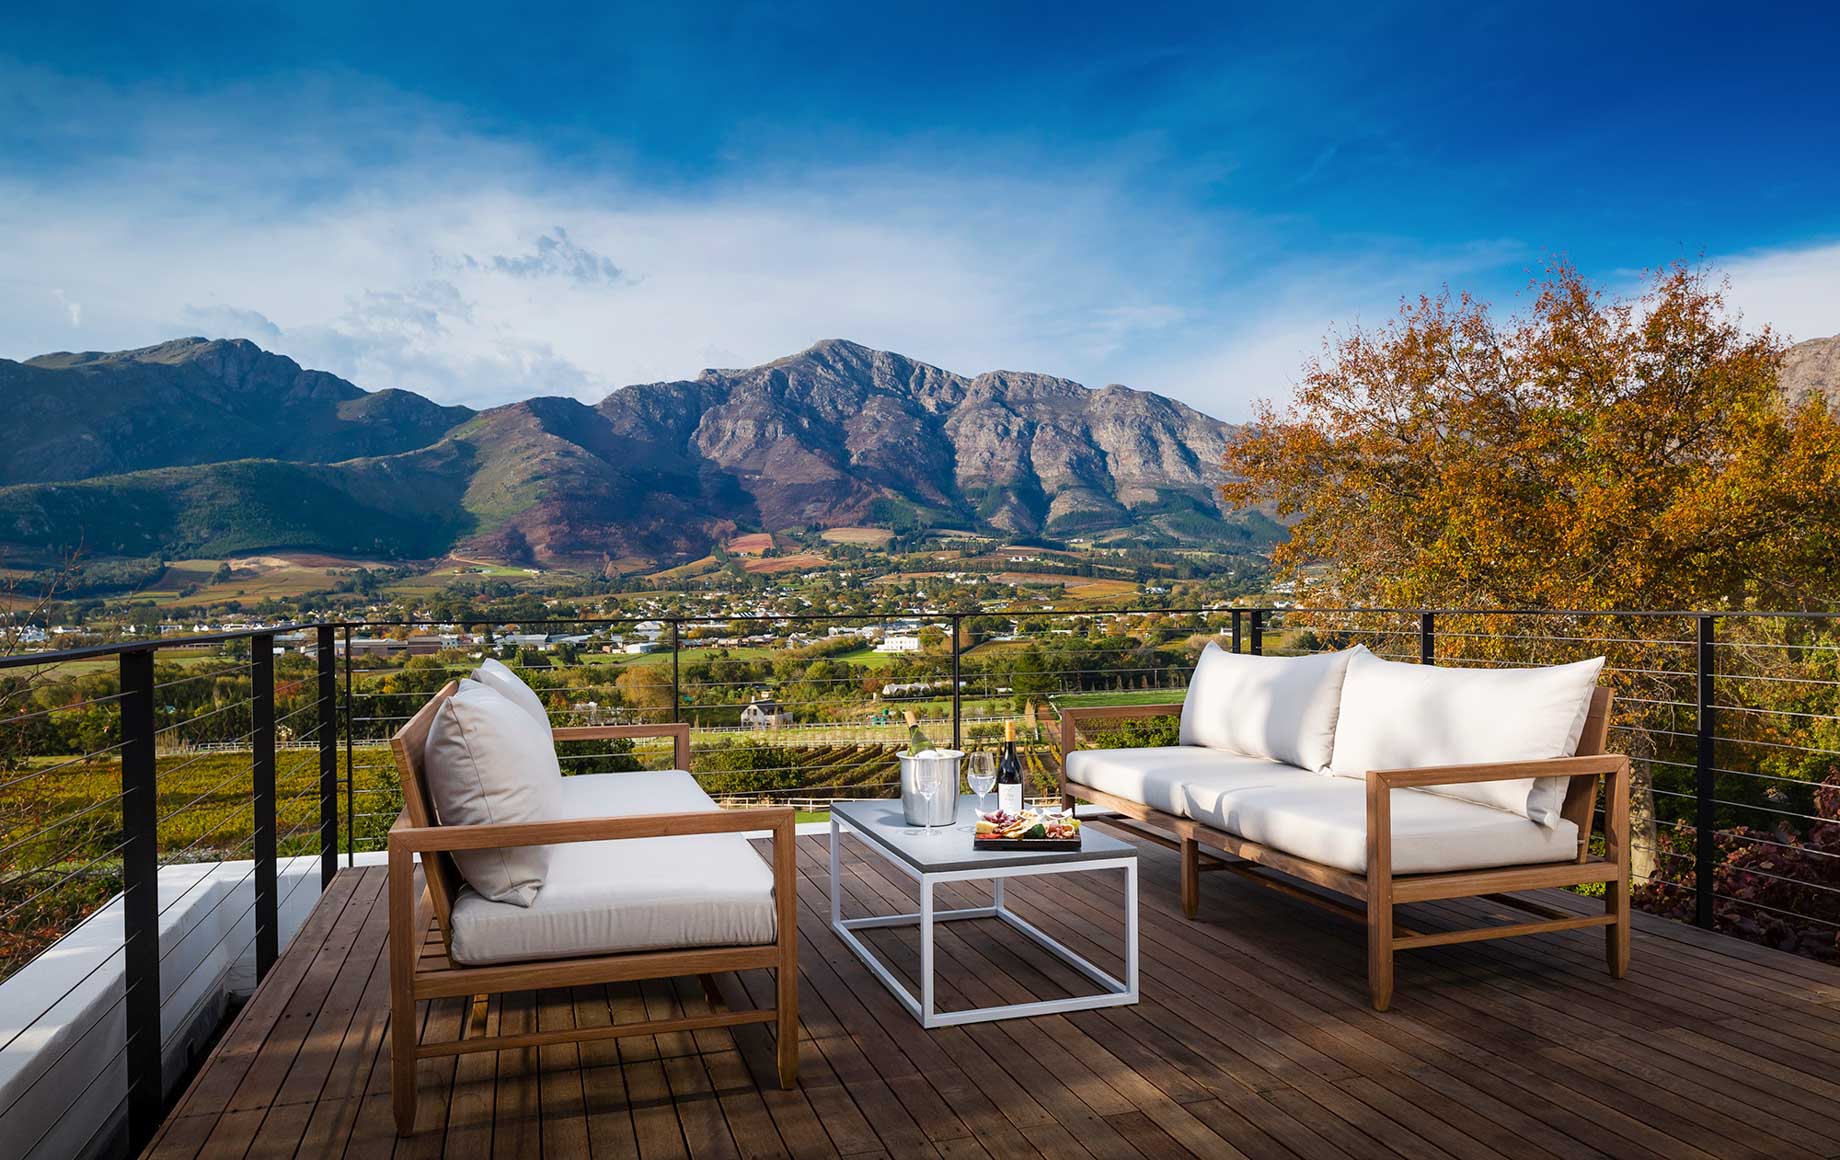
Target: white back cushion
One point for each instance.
(1281, 708)
(500, 679)
(1399, 716)
(487, 761)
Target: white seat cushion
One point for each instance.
(1281, 708)
(496, 675)
(1398, 716)
(486, 761)
(1324, 819)
(634, 894)
(1156, 776)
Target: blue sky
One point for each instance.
(480, 203)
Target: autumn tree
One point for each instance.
(1596, 453)
(644, 686)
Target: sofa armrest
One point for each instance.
(1071, 719)
(1595, 765)
(1381, 783)
(677, 731)
(497, 835)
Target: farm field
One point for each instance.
(1077, 587)
(252, 579)
(187, 657)
(864, 537)
(773, 565)
(752, 544)
(688, 654)
(688, 571)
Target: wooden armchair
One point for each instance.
(421, 966)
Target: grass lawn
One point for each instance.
(867, 657)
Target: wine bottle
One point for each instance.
(1009, 774)
(917, 742)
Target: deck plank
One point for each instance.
(1253, 1039)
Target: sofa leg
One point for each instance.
(1380, 953)
(1191, 877)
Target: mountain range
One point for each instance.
(201, 447)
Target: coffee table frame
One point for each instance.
(1114, 993)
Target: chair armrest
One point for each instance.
(677, 731)
(497, 835)
(1592, 766)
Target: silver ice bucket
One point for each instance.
(943, 811)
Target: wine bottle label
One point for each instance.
(1009, 798)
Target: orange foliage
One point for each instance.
(1596, 453)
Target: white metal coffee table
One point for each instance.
(946, 854)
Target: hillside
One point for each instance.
(1812, 367)
(204, 446)
(193, 401)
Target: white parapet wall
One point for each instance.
(63, 1071)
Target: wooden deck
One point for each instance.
(1254, 1038)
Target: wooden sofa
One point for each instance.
(1381, 886)
(425, 899)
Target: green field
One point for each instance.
(113, 664)
(1134, 697)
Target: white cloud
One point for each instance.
(361, 232)
(1795, 291)
(473, 291)
(72, 310)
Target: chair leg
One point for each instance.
(403, 946)
(1616, 935)
(1191, 877)
(788, 1030)
(786, 984)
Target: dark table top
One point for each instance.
(939, 849)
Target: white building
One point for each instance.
(898, 643)
(765, 713)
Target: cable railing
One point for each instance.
(225, 773)
(153, 797)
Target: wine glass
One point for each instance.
(926, 784)
(981, 774)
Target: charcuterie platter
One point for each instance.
(1028, 830)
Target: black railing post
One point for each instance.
(1236, 620)
(1705, 844)
(957, 712)
(677, 693)
(328, 757)
(1258, 631)
(351, 793)
(140, 903)
(1427, 638)
(262, 729)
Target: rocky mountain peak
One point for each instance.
(837, 434)
(1811, 367)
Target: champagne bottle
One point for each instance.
(1009, 773)
(917, 742)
